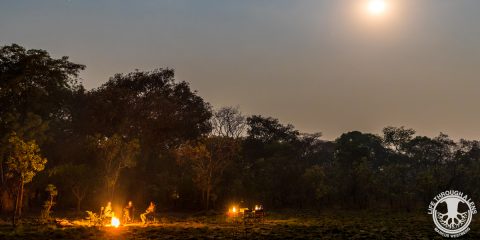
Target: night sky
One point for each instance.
(323, 65)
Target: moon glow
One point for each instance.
(377, 7)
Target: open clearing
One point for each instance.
(363, 225)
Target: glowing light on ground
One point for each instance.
(115, 222)
(377, 7)
(232, 212)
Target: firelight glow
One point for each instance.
(115, 222)
(377, 7)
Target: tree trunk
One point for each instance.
(79, 202)
(18, 202)
(112, 193)
(203, 196)
(21, 200)
(49, 207)
(111, 182)
(79, 194)
(208, 197)
(1, 174)
(14, 215)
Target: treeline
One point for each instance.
(145, 136)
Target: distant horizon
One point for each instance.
(330, 137)
(323, 66)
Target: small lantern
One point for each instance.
(233, 212)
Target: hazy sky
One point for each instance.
(322, 65)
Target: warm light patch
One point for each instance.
(115, 222)
(377, 7)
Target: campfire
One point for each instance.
(115, 222)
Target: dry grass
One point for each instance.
(364, 225)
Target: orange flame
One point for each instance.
(115, 222)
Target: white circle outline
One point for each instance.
(465, 226)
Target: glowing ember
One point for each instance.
(115, 222)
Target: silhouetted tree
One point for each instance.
(228, 122)
(22, 164)
(150, 136)
(35, 95)
(208, 160)
(77, 179)
(49, 203)
(115, 153)
(397, 137)
(358, 157)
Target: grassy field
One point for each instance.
(358, 225)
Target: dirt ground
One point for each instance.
(276, 226)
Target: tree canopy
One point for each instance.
(145, 136)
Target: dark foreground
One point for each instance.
(276, 226)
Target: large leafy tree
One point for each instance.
(431, 156)
(34, 87)
(36, 92)
(154, 108)
(115, 154)
(151, 106)
(275, 157)
(397, 137)
(358, 157)
(75, 178)
(208, 160)
(268, 129)
(23, 162)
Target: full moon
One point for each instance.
(377, 7)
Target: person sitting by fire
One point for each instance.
(128, 212)
(107, 211)
(150, 210)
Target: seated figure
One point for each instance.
(150, 210)
(108, 212)
(128, 212)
